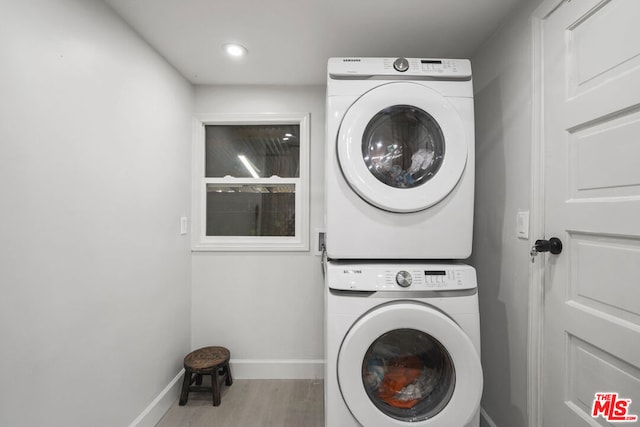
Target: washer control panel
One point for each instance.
(400, 277)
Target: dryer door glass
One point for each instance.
(408, 375)
(403, 146)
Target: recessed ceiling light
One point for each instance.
(235, 50)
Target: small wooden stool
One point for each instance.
(212, 361)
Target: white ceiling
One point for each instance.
(289, 41)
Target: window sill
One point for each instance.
(251, 244)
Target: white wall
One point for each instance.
(95, 133)
(503, 87)
(266, 308)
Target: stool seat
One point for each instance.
(206, 358)
(213, 361)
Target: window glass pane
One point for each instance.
(403, 146)
(252, 151)
(408, 375)
(251, 210)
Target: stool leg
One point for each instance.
(229, 379)
(184, 395)
(198, 379)
(215, 388)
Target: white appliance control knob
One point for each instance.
(401, 64)
(404, 279)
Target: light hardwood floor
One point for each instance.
(253, 403)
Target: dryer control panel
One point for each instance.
(414, 68)
(400, 277)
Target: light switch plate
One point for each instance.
(522, 226)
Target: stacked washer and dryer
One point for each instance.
(402, 339)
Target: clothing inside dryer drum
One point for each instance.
(403, 146)
(408, 375)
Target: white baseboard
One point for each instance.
(161, 404)
(277, 368)
(487, 419)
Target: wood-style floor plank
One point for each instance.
(259, 403)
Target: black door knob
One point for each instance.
(553, 245)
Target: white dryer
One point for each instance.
(402, 345)
(400, 158)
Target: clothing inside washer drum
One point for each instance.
(408, 375)
(403, 146)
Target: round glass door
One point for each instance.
(402, 147)
(408, 375)
(406, 363)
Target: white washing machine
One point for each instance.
(402, 345)
(400, 158)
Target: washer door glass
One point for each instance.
(403, 146)
(408, 375)
(408, 364)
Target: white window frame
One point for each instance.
(199, 240)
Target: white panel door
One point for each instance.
(591, 102)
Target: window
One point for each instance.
(250, 183)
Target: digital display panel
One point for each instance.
(435, 273)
